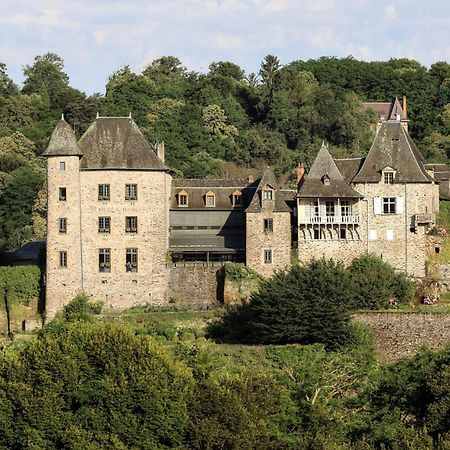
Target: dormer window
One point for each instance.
(236, 199)
(183, 199)
(388, 175)
(267, 193)
(210, 199)
(326, 180)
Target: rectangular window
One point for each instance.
(268, 225)
(267, 194)
(345, 208)
(63, 259)
(182, 200)
(104, 224)
(237, 200)
(103, 192)
(62, 194)
(131, 261)
(267, 256)
(131, 224)
(329, 208)
(210, 200)
(388, 177)
(388, 205)
(390, 235)
(104, 260)
(62, 165)
(131, 192)
(315, 209)
(63, 225)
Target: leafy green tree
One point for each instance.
(215, 122)
(7, 86)
(305, 304)
(226, 69)
(269, 73)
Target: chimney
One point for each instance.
(404, 104)
(160, 150)
(300, 172)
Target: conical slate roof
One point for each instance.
(324, 179)
(117, 143)
(63, 141)
(393, 148)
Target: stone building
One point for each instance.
(382, 204)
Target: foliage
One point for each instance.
(93, 386)
(19, 284)
(81, 309)
(376, 284)
(305, 304)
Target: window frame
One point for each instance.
(268, 256)
(268, 225)
(131, 191)
(208, 202)
(346, 208)
(131, 224)
(104, 192)
(183, 199)
(388, 205)
(106, 228)
(62, 225)
(63, 259)
(237, 199)
(62, 194)
(104, 260)
(62, 165)
(131, 260)
(388, 177)
(267, 194)
(330, 208)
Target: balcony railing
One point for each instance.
(423, 218)
(329, 219)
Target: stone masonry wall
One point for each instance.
(258, 240)
(195, 286)
(398, 335)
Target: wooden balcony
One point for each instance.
(335, 220)
(423, 218)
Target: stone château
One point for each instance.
(115, 213)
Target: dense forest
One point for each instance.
(220, 124)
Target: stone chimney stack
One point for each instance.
(404, 105)
(160, 150)
(300, 172)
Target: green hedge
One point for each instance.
(21, 284)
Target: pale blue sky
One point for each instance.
(96, 37)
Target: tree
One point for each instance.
(7, 86)
(215, 120)
(305, 304)
(226, 69)
(269, 73)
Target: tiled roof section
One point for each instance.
(117, 143)
(394, 148)
(441, 173)
(63, 141)
(285, 200)
(349, 167)
(196, 190)
(387, 110)
(268, 179)
(313, 185)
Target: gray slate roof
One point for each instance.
(387, 110)
(63, 141)
(393, 148)
(349, 167)
(313, 186)
(117, 143)
(442, 176)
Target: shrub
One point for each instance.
(376, 283)
(81, 309)
(21, 284)
(305, 304)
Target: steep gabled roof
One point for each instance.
(63, 141)
(313, 185)
(387, 110)
(117, 143)
(349, 167)
(393, 147)
(395, 109)
(268, 179)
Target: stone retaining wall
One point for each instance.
(398, 335)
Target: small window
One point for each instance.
(437, 250)
(267, 256)
(210, 199)
(131, 192)
(329, 208)
(388, 177)
(388, 204)
(267, 194)
(343, 233)
(103, 192)
(315, 209)
(104, 224)
(63, 225)
(183, 199)
(104, 260)
(268, 225)
(131, 260)
(131, 224)
(62, 165)
(62, 194)
(345, 208)
(237, 199)
(63, 259)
